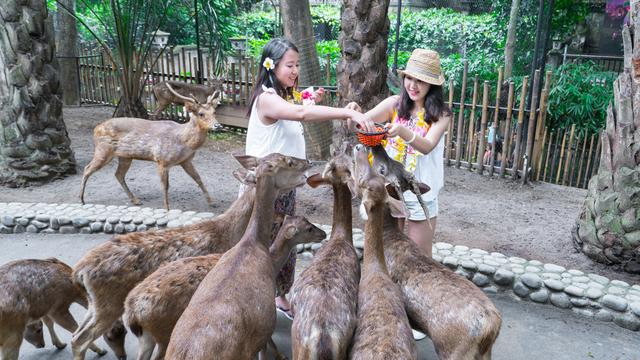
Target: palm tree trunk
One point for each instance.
(608, 228)
(34, 144)
(67, 40)
(362, 71)
(296, 18)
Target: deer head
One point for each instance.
(202, 114)
(34, 335)
(287, 172)
(337, 171)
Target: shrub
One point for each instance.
(577, 96)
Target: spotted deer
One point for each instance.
(109, 271)
(164, 92)
(154, 306)
(232, 314)
(35, 292)
(458, 317)
(383, 330)
(324, 295)
(165, 142)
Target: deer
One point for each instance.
(153, 307)
(165, 96)
(34, 292)
(324, 295)
(458, 317)
(109, 271)
(232, 314)
(383, 330)
(166, 143)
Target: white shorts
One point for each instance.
(417, 214)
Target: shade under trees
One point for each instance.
(608, 228)
(34, 144)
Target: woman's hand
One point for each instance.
(364, 122)
(396, 129)
(318, 95)
(353, 106)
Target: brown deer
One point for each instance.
(233, 314)
(153, 307)
(109, 271)
(165, 96)
(33, 292)
(383, 330)
(165, 142)
(324, 295)
(458, 317)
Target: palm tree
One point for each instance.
(66, 46)
(34, 144)
(298, 27)
(608, 228)
(362, 71)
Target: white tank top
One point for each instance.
(284, 136)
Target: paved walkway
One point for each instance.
(529, 330)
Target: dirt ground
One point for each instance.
(531, 221)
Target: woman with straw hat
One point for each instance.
(417, 120)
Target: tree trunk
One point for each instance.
(362, 71)
(511, 39)
(131, 108)
(608, 228)
(66, 44)
(34, 144)
(296, 18)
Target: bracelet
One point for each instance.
(412, 138)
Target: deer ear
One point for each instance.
(244, 176)
(398, 208)
(290, 232)
(247, 161)
(391, 190)
(424, 188)
(214, 98)
(315, 180)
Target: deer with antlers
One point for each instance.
(165, 142)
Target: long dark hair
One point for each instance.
(274, 49)
(434, 105)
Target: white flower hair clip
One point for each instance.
(268, 64)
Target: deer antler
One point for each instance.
(213, 97)
(185, 98)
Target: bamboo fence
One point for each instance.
(530, 151)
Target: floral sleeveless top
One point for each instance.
(398, 149)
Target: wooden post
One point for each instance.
(531, 128)
(472, 123)
(516, 156)
(461, 114)
(247, 77)
(542, 115)
(564, 139)
(447, 149)
(240, 85)
(538, 169)
(506, 146)
(569, 153)
(584, 148)
(589, 156)
(233, 84)
(483, 126)
(495, 123)
(546, 160)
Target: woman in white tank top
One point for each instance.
(275, 127)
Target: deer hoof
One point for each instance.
(60, 346)
(99, 351)
(136, 201)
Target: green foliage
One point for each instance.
(328, 15)
(578, 97)
(257, 24)
(331, 48)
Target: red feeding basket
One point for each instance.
(372, 139)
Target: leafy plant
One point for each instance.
(580, 95)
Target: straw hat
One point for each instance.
(424, 65)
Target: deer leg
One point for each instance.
(163, 171)
(54, 337)
(145, 346)
(162, 350)
(66, 320)
(100, 322)
(10, 347)
(101, 157)
(189, 169)
(123, 167)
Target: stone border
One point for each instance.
(590, 295)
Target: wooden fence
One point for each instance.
(559, 156)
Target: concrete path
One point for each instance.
(529, 330)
